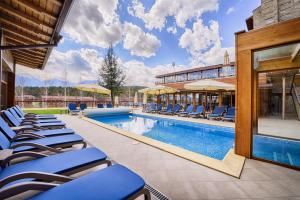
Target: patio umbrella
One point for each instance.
(93, 88)
(209, 85)
(135, 100)
(158, 90)
(145, 98)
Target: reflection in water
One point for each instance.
(137, 125)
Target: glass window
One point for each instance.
(169, 79)
(211, 73)
(181, 77)
(227, 71)
(194, 76)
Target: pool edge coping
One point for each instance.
(232, 164)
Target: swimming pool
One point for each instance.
(209, 140)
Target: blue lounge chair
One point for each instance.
(14, 122)
(151, 107)
(158, 108)
(188, 110)
(46, 168)
(72, 108)
(176, 109)
(109, 105)
(25, 120)
(168, 110)
(30, 143)
(217, 112)
(100, 105)
(114, 182)
(31, 132)
(83, 106)
(230, 114)
(32, 115)
(199, 112)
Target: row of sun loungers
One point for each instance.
(72, 107)
(53, 159)
(219, 112)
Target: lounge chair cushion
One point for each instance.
(50, 124)
(54, 132)
(115, 182)
(57, 163)
(50, 141)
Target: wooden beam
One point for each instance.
(23, 34)
(28, 62)
(29, 46)
(23, 15)
(26, 57)
(278, 64)
(56, 2)
(26, 54)
(34, 66)
(11, 42)
(26, 27)
(36, 8)
(16, 37)
(296, 51)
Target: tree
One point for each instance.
(111, 76)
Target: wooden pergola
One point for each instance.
(29, 29)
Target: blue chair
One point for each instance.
(25, 120)
(229, 115)
(217, 112)
(176, 109)
(100, 105)
(83, 106)
(11, 141)
(16, 123)
(168, 110)
(50, 168)
(151, 107)
(114, 182)
(32, 115)
(199, 112)
(158, 108)
(188, 110)
(109, 105)
(29, 132)
(73, 109)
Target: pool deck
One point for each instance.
(179, 178)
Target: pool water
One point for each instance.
(212, 141)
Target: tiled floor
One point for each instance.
(182, 179)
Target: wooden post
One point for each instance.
(186, 99)
(168, 99)
(194, 100)
(180, 98)
(174, 99)
(220, 98)
(230, 99)
(210, 99)
(205, 101)
(283, 98)
(199, 99)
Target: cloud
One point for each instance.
(138, 42)
(137, 73)
(80, 64)
(230, 10)
(94, 23)
(204, 43)
(181, 10)
(172, 29)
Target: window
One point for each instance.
(160, 80)
(169, 79)
(181, 77)
(194, 76)
(227, 71)
(211, 73)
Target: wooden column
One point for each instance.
(205, 101)
(210, 99)
(186, 101)
(158, 99)
(180, 99)
(168, 99)
(194, 100)
(220, 98)
(199, 99)
(230, 99)
(174, 95)
(283, 97)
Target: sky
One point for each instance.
(147, 36)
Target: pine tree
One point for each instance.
(111, 76)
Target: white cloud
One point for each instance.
(94, 23)
(181, 10)
(137, 73)
(172, 29)
(80, 64)
(138, 42)
(204, 43)
(230, 10)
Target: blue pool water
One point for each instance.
(212, 141)
(209, 140)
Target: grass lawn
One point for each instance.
(47, 111)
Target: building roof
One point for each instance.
(32, 22)
(180, 85)
(196, 69)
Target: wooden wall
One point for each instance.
(246, 43)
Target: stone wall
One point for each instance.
(274, 11)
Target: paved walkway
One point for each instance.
(182, 179)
